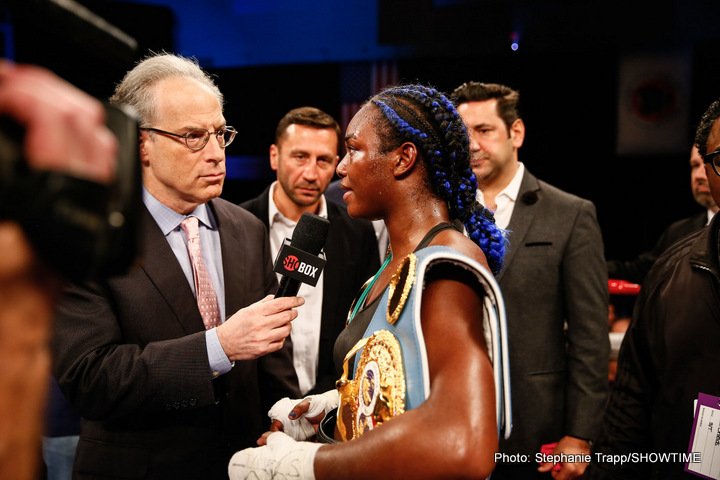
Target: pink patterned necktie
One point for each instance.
(206, 298)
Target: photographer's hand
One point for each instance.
(27, 298)
(64, 131)
(65, 128)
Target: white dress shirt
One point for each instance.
(169, 222)
(305, 333)
(505, 200)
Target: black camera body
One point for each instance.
(79, 228)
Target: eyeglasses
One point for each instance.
(196, 140)
(713, 158)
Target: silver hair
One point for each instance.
(135, 89)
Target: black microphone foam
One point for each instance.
(309, 236)
(310, 233)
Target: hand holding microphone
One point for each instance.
(258, 329)
(262, 327)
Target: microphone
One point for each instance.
(298, 261)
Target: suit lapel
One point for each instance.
(701, 220)
(234, 272)
(333, 274)
(523, 215)
(163, 269)
(263, 207)
(260, 206)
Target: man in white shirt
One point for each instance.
(304, 157)
(554, 283)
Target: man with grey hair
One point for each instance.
(173, 365)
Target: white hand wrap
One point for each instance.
(323, 403)
(301, 428)
(281, 459)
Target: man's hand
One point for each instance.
(64, 127)
(567, 471)
(258, 329)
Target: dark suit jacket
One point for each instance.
(130, 355)
(636, 269)
(554, 274)
(352, 257)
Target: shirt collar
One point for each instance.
(513, 188)
(710, 215)
(168, 219)
(275, 215)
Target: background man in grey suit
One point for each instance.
(304, 156)
(555, 288)
(169, 386)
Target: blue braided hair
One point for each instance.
(424, 116)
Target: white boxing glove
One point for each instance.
(281, 459)
(301, 428)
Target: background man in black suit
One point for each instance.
(635, 270)
(304, 155)
(168, 387)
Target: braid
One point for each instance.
(426, 117)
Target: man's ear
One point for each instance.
(517, 133)
(405, 157)
(144, 155)
(274, 156)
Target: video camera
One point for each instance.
(81, 229)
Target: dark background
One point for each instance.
(273, 55)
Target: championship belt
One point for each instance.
(392, 374)
(377, 392)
